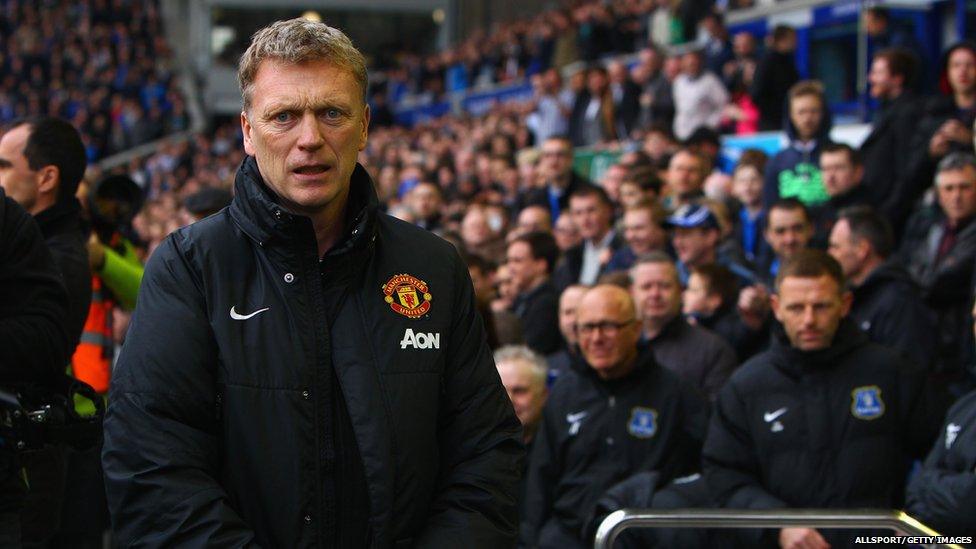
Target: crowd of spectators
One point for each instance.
(104, 65)
(686, 258)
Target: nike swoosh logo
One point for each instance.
(575, 418)
(237, 316)
(770, 416)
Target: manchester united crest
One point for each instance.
(407, 295)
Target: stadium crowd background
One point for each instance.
(656, 81)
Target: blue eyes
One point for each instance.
(283, 117)
(329, 114)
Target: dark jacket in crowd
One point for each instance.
(775, 74)
(946, 281)
(727, 324)
(888, 307)
(557, 203)
(538, 309)
(943, 492)
(795, 170)
(66, 237)
(834, 428)
(595, 433)
(34, 330)
(934, 113)
(626, 108)
(696, 354)
(825, 215)
(568, 271)
(267, 396)
(886, 153)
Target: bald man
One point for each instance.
(615, 413)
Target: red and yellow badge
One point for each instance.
(407, 295)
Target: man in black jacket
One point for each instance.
(33, 336)
(556, 168)
(42, 161)
(531, 258)
(887, 303)
(887, 149)
(615, 415)
(302, 370)
(823, 419)
(592, 213)
(775, 74)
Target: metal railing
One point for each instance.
(618, 521)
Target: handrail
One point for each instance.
(618, 521)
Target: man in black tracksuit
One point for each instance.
(301, 370)
(824, 419)
(943, 493)
(615, 415)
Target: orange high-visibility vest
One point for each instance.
(92, 361)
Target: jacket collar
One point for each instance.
(796, 362)
(62, 217)
(256, 210)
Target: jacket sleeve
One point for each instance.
(729, 460)
(122, 274)
(540, 479)
(724, 362)
(941, 497)
(481, 451)
(161, 444)
(33, 301)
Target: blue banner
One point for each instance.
(477, 104)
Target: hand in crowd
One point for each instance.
(801, 538)
(754, 305)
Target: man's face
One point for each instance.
(17, 179)
(691, 63)
(306, 125)
(631, 194)
(528, 395)
(590, 215)
(810, 310)
(641, 232)
(695, 245)
(556, 160)
(685, 173)
(611, 181)
(568, 304)
(504, 283)
(840, 175)
(695, 299)
(787, 231)
(743, 44)
(607, 331)
(883, 83)
(533, 219)
(656, 291)
(806, 112)
(842, 247)
(425, 201)
(957, 193)
(525, 270)
(565, 231)
(962, 71)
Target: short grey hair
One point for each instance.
(538, 368)
(298, 41)
(954, 162)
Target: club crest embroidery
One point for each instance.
(866, 402)
(643, 422)
(407, 295)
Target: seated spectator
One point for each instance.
(593, 214)
(939, 249)
(530, 261)
(592, 119)
(643, 233)
(946, 123)
(556, 171)
(561, 360)
(943, 491)
(887, 149)
(479, 237)
(776, 73)
(789, 229)
(747, 183)
(843, 176)
(617, 403)
(685, 179)
(523, 373)
(611, 179)
(794, 172)
(425, 201)
(641, 185)
(887, 303)
(695, 237)
(696, 354)
(711, 301)
(771, 445)
(508, 327)
(482, 273)
(566, 234)
(530, 220)
(699, 96)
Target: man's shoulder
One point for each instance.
(700, 337)
(756, 373)
(400, 237)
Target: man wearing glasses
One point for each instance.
(617, 412)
